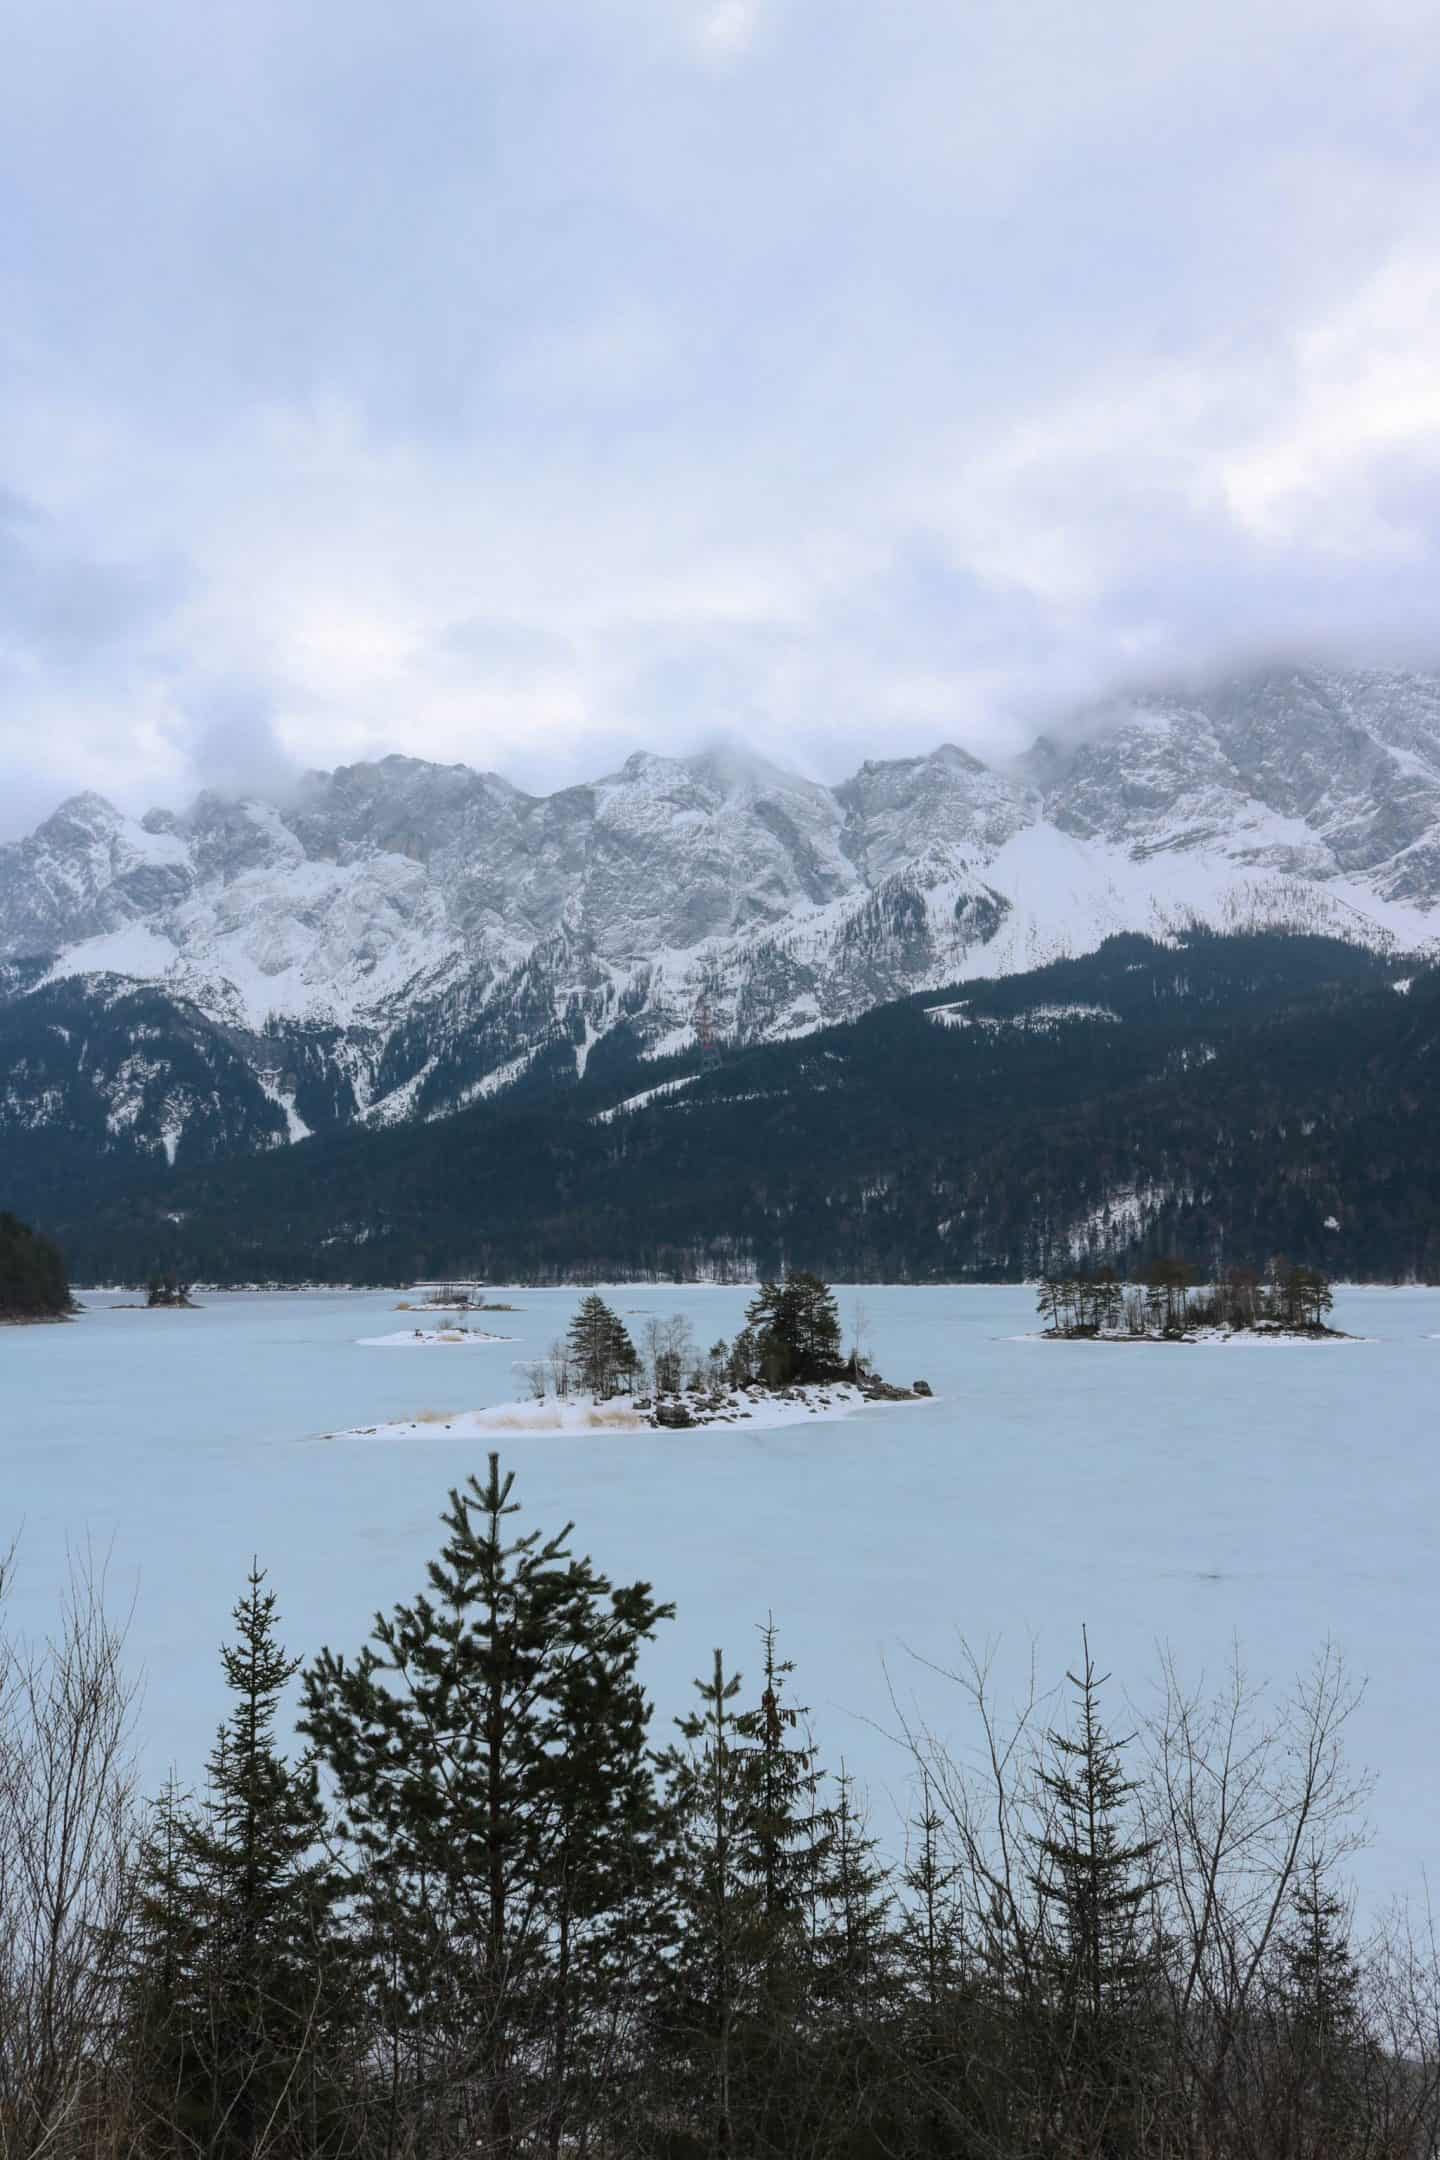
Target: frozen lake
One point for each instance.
(1279, 1494)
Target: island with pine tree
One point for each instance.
(165, 1292)
(786, 1364)
(1284, 1303)
(33, 1282)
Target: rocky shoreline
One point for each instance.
(1199, 1335)
(691, 1407)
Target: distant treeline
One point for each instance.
(490, 1911)
(33, 1282)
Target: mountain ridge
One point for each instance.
(394, 939)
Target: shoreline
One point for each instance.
(757, 1409)
(1200, 1337)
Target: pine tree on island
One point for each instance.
(603, 1358)
(797, 1326)
(166, 1289)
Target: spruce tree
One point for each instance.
(1320, 1978)
(489, 1750)
(1098, 1958)
(1319, 2004)
(753, 1838)
(940, 1991)
(932, 1928)
(163, 1992)
(710, 1979)
(855, 1944)
(602, 1353)
(239, 1986)
(1093, 1885)
(784, 1836)
(797, 1323)
(857, 1985)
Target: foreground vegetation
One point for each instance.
(33, 1282)
(490, 1911)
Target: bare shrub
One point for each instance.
(67, 1845)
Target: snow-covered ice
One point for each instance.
(445, 1338)
(1180, 1500)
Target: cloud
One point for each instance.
(728, 29)
(233, 745)
(528, 384)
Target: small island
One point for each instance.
(1285, 1303)
(166, 1293)
(33, 1283)
(457, 1295)
(455, 1337)
(789, 1351)
(785, 1366)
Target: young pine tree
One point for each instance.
(1321, 1981)
(857, 1989)
(239, 1987)
(855, 1943)
(1323, 2054)
(947, 2050)
(489, 1748)
(711, 1976)
(1098, 1957)
(753, 1840)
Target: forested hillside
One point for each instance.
(1228, 1098)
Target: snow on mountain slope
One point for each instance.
(399, 938)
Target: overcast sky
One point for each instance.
(525, 382)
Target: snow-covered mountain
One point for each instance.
(399, 938)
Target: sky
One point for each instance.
(527, 382)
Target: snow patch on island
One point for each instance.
(552, 1420)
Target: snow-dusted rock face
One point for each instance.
(400, 938)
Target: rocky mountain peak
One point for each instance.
(440, 929)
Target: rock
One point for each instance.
(673, 1416)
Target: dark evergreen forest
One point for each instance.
(1224, 1099)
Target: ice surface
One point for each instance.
(1160, 1498)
